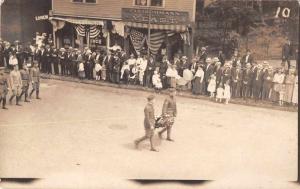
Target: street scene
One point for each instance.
(139, 90)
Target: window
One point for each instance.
(90, 1)
(84, 1)
(155, 3)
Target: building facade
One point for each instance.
(132, 24)
(18, 19)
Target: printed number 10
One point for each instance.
(285, 12)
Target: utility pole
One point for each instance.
(1, 2)
(149, 30)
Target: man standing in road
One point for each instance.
(25, 75)
(149, 123)
(35, 79)
(3, 87)
(16, 85)
(169, 112)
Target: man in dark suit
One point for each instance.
(248, 58)
(108, 62)
(208, 71)
(287, 53)
(258, 82)
(149, 123)
(267, 83)
(221, 58)
(237, 77)
(149, 72)
(246, 81)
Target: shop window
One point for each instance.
(84, 1)
(90, 1)
(155, 3)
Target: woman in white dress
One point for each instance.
(295, 92)
(212, 85)
(227, 93)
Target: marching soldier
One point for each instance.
(15, 85)
(3, 87)
(149, 123)
(169, 112)
(35, 79)
(25, 75)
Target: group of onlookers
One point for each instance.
(240, 77)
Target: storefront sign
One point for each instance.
(156, 16)
(43, 17)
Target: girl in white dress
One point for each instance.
(220, 93)
(156, 81)
(227, 93)
(212, 85)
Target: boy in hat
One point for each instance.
(35, 79)
(4, 85)
(169, 112)
(149, 123)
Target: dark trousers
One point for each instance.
(24, 91)
(236, 89)
(266, 90)
(246, 91)
(257, 90)
(116, 77)
(148, 79)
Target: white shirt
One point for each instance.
(81, 67)
(143, 65)
(13, 61)
(200, 73)
(278, 78)
(131, 61)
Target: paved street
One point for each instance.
(86, 129)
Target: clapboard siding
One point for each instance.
(111, 9)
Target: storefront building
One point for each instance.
(165, 26)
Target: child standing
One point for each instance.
(212, 85)
(81, 72)
(156, 81)
(227, 93)
(220, 93)
(98, 70)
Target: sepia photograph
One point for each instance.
(162, 94)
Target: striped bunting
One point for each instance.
(88, 31)
(156, 40)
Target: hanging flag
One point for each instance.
(88, 31)
(137, 39)
(156, 40)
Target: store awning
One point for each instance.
(79, 21)
(177, 28)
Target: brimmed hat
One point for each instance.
(216, 59)
(218, 63)
(62, 49)
(248, 65)
(184, 57)
(150, 97)
(203, 49)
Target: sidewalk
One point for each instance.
(186, 94)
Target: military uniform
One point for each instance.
(16, 85)
(25, 75)
(3, 88)
(169, 112)
(149, 123)
(35, 77)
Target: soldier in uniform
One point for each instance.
(149, 124)
(169, 112)
(25, 75)
(3, 87)
(15, 85)
(35, 79)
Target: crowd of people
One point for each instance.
(220, 79)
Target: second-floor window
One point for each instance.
(155, 3)
(84, 1)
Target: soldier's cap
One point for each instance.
(150, 97)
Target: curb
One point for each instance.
(184, 94)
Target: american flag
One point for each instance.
(137, 39)
(156, 40)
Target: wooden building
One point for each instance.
(106, 23)
(18, 19)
